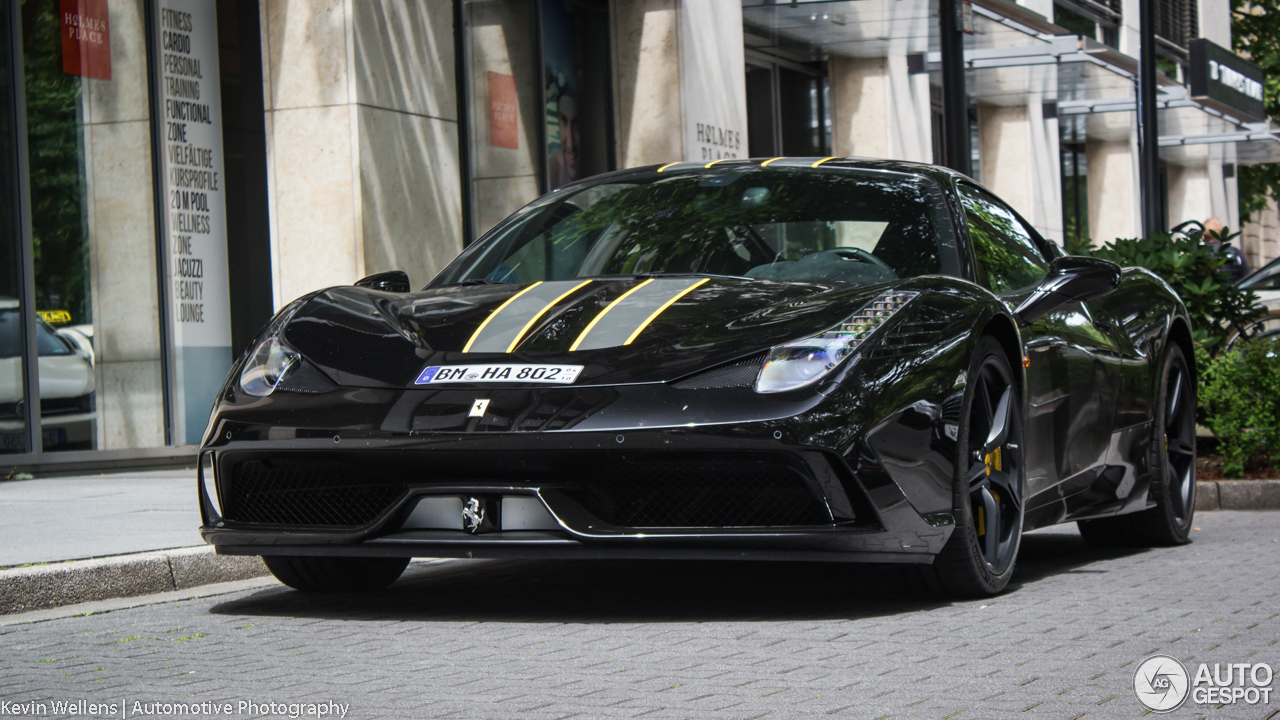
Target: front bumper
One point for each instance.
(734, 493)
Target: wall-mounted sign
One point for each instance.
(86, 38)
(503, 131)
(1225, 81)
(189, 105)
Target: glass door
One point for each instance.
(13, 411)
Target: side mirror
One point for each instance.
(396, 281)
(1071, 278)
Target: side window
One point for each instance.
(1005, 251)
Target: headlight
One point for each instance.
(801, 362)
(272, 358)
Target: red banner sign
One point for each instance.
(86, 38)
(502, 111)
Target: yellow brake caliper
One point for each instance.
(993, 460)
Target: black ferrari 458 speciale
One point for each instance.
(844, 360)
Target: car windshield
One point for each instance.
(836, 225)
(11, 337)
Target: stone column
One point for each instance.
(362, 140)
(122, 241)
(1113, 189)
(1019, 162)
(1259, 236)
(879, 109)
(646, 72)
(1189, 194)
(679, 80)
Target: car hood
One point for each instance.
(621, 330)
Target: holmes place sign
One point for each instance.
(1223, 80)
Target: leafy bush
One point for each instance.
(1216, 306)
(1240, 394)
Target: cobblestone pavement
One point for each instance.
(487, 639)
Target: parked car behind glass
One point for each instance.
(67, 386)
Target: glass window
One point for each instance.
(836, 226)
(534, 129)
(92, 226)
(13, 424)
(1005, 249)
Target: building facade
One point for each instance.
(174, 171)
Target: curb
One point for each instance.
(1238, 495)
(24, 589)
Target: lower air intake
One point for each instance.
(325, 493)
(719, 493)
(627, 490)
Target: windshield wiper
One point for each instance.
(690, 273)
(475, 281)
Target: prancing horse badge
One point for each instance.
(478, 408)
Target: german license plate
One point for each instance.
(557, 374)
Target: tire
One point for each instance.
(979, 558)
(1173, 469)
(336, 574)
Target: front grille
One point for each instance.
(66, 406)
(309, 492)
(629, 490)
(719, 493)
(741, 373)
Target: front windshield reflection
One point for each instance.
(839, 225)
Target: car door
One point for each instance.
(1071, 373)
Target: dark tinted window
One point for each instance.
(50, 342)
(1268, 278)
(1004, 248)
(833, 225)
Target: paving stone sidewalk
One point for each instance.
(487, 639)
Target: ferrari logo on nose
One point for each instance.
(478, 407)
(473, 514)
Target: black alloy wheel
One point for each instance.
(1172, 468)
(979, 558)
(336, 574)
(1179, 446)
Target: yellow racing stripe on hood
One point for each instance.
(632, 313)
(664, 306)
(520, 335)
(604, 312)
(494, 314)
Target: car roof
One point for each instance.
(942, 174)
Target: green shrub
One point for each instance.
(1240, 397)
(1194, 270)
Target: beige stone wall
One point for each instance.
(362, 148)
(122, 241)
(1260, 237)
